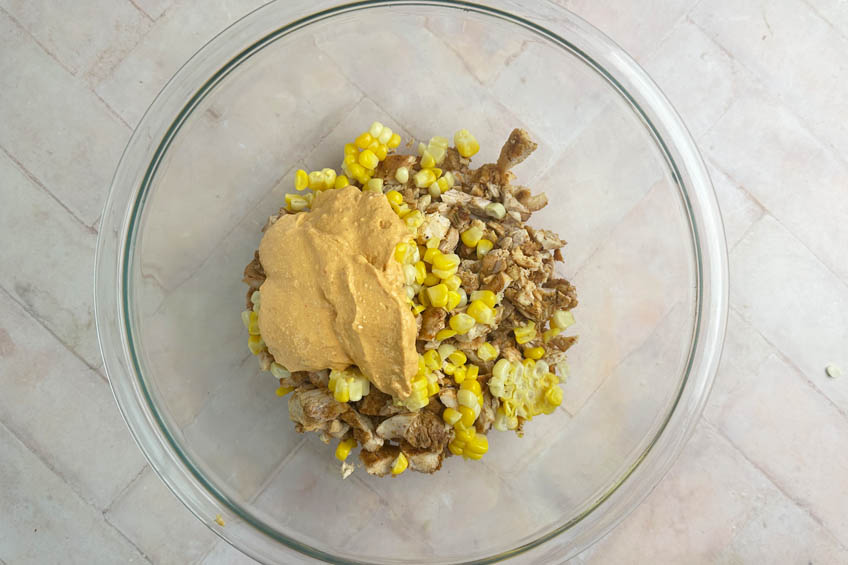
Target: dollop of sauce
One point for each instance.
(334, 295)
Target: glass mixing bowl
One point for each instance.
(284, 88)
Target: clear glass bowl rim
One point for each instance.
(212, 63)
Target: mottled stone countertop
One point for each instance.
(763, 87)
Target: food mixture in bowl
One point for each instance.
(406, 306)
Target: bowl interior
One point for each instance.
(423, 70)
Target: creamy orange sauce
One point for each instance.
(334, 294)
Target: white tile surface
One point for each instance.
(64, 304)
(762, 86)
(809, 324)
(54, 126)
(45, 521)
(86, 37)
(62, 409)
(157, 523)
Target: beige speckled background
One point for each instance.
(762, 85)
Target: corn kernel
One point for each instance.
(430, 280)
(495, 210)
(385, 135)
(401, 250)
(394, 197)
(368, 159)
(350, 149)
(478, 445)
(472, 372)
(284, 390)
(424, 178)
(279, 371)
(471, 236)
(438, 295)
(554, 396)
(467, 415)
(419, 308)
(453, 282)
(433, 191)
(483, 247)
(402, 175)
(525, 333)
(466, 143)
(459, 373)
(461, 323)
(451, 416)
(487, 352)
(344, 447)
(364, 140)
(445, 334)
(255, 344)
(357, 171)
(376, 129)
(453, 300)
(381, 151)
(562, 319)
(374, 185)
(295, 202)
(301, 179)
(445, 350)
(534, 352)
(329, 177)
(402, 210)
(466, 397)
(481, 312)
(488, 297)
(451, 180)
(393, 141)
(316, 180)
(427, 160)
(414, 219)
(437, 152)
(423, 298)
(458, 357)
(454, 448)
(549, 334)
(400, 464)
(446, 261)
(341, 182)
(432, 359)
(472, 386)
(253, 323)
(431, 253)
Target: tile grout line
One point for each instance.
(37, 42)
(43, 187)
(801, 505)
(82, 499)
(659, 44)
(789, 361)
(822, 17)
(44, 326)
(126, 488)
(143, 13)
(114, 113)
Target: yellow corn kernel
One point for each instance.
(432, 243)
(451, 416)
(487, 352)
(402, 210)
(434, 191)
(471, 236)
(488, 297)
(472, 371)
(453, 300)
(449, 368)
(467, 415)
(420, 272)
(255, 344)
(368, 159)
(350, 149)
(483, 247)
(295, 202)
(432, 359)
(495, 210)
(414, 219)
(554, 396)
(341, 182)
(562, 319)
(357, 171)
(472, 386)
(253, 323)
(400, 464)
(549, 334)
(279, 371)
(458, 357)
(376, 129)
(424, 178)
(364, 140)
(381, 151)
(385, 135)
(455, 448)
(445, 334)
(329, 177)
(481, 312)
(401, 249)
(344, 447)
(373, 185)
(431, 254)
(350, 159)
(284, 390)
(437, 172)
(461, 323)
(459, 373)
(433, 388)
(430, 279)
(301, 179)
(393, 141)
(478, 445)
(438, 295)
(466, 143)
(525, 333)
(453, 282)
(402, 175)
(316, 180)
(423, 298)
(445, 261)
(535, 353)
(466, 397)
(418, 308)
